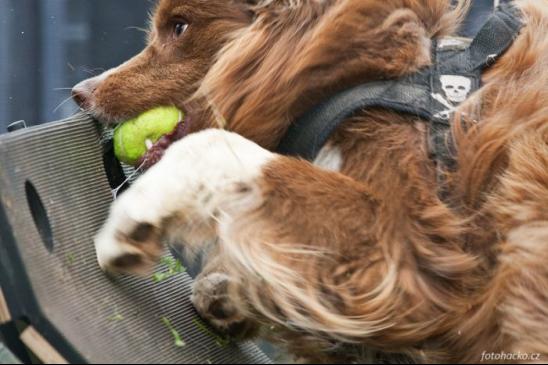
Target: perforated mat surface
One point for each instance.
(55, 196)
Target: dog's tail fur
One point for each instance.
(522, 277)
(503, 170)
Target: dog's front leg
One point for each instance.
(182, 196)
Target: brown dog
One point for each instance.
(356, 250)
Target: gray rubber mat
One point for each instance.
(55, 195)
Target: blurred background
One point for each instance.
(47, 46)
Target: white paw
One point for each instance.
(181, 196)
(125, 244)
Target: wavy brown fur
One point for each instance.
(292, 56)
(342, 264)
(451, 282)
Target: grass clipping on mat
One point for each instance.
(221, 341)
(116, 317)
(174, 267)
(177, 339)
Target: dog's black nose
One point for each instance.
(82, 93)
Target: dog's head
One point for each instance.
(184, 37)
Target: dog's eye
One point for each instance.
(180, 28)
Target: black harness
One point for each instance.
(431, 94)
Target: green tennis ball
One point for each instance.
(132, 136)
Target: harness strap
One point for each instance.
(495, 36)
(419, 94)
(307, 136)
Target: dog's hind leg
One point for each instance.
(213, 184)
(307, 250)
(213, 299)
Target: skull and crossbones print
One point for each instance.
(456, 89)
